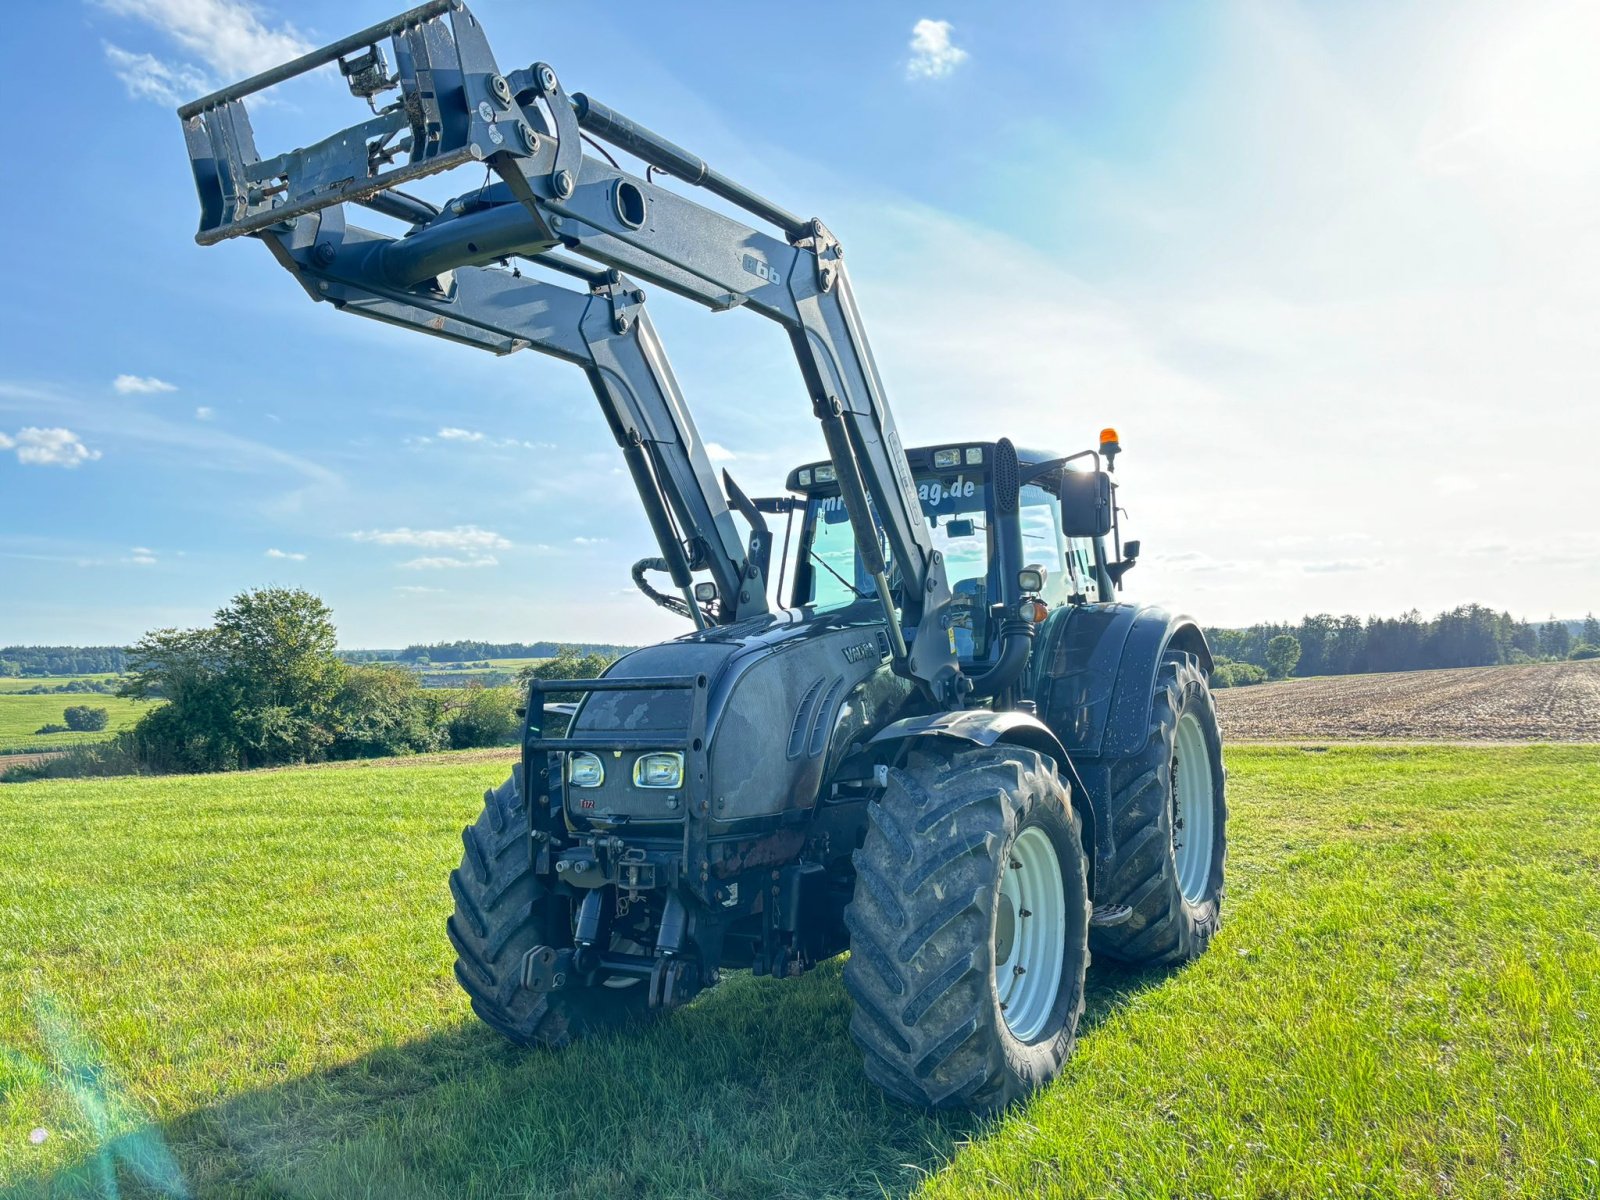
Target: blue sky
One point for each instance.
(1331, 270)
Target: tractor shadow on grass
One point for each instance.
(755, 1090)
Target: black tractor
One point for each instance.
(935, 740)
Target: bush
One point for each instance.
(1583, 651)
(482, 717)
(83, 719)
(1236, 674)
(53, 729)
(383, 711)
(569, 663)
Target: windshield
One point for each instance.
(956, 507)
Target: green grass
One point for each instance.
(242, 983)
(21, 715)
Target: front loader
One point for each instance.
(948, 748)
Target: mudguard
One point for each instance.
(1093, 672)
(984, 727)
(981, 727)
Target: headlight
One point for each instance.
(585, 770)
(658, 770)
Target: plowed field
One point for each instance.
(1551, 702)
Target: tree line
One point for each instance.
(62, 660)
(1467, 636)
(468, 651)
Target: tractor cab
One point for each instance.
(1056, 533)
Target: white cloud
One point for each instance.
(48, 447)
(718, 453)
(445, 561)
(230, 36)
(589, 541)
(933, 54)
(1340, 565)
(140, 385)
(148, 78)
(477, 437)
(291, 555)
(204, 413)
(416, 590)
(462, 537)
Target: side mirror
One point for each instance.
(1085, 503)
(1130, 550)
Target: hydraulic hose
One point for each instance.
(1016, 639)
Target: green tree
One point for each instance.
(1555, 639)
(1591, 630)
(83, 719)
(257, 688)
(1283, 653)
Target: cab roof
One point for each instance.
(972, 456)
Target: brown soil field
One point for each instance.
(1549, 702)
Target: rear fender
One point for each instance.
(984, 727)
(1094, 671)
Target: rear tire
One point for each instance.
(957, 850)
(1169, 816)
(502, 911)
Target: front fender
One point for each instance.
(985, 727)
(981, 727)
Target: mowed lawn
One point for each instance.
(241, 986)
(20, 716)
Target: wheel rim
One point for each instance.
(1030, 935)
(1193, 809)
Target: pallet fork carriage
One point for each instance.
(955, 783)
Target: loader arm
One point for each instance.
(453, 106)
(607, 333)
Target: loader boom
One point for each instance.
(455, 107)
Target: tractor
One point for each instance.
(936, 740)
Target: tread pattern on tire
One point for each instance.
(1164, 928)
(501, 912)
(921, 926)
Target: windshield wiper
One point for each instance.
(860, 595)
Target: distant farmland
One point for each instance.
(1548, 702)
(21, 715)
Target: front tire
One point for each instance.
(1169, 817)
(503, 911)
(971, 877)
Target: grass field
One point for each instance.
(21, 715)
(21, 683)
(240, 985)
